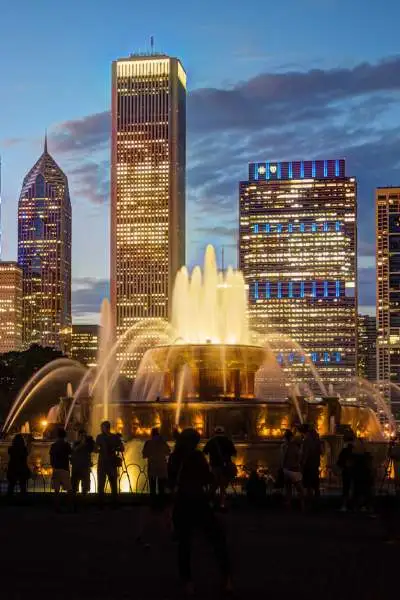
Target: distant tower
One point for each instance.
(44, 254)
(387, 214)
(148, 153)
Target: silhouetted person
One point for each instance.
(363, 477)
(60, 453)
(108, 445)
(156, 451)
(18, 470)
(81, 462)
(256, 489)
(345, 463)
(189, 476)
(311, 461)
(220, 449)
(290, 463)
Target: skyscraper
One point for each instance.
(85, 342)
(44, 254)
(148, 154)
(10, 307)
(387, 210)
(298, 255)
(366, 347)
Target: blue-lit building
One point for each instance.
(44, 254)
(298, 253)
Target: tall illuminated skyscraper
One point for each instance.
(44, 254)
(387, 211)
(10, 307)
(298, 254)
(148, 154)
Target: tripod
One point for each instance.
(124, 471)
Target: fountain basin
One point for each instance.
(211, 371)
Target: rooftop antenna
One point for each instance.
(45, 140)
(223, 258)
(152, 44)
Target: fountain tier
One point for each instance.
(200, 371)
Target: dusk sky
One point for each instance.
(266, 81)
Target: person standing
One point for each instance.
(345, 463)
(156, 451)
(60, 454)
(221, 450)
(81, 462)
(291, 466)
(108, 446)
(311, 461)
(18, 470)
(189, 478)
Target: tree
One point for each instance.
(16, 368)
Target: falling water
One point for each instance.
(210, 307)
(101, 395)
(184, 387)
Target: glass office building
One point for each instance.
(298, 253)
(44, 254)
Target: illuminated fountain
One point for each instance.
(206, 368)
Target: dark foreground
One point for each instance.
(276, 554)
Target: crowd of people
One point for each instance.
(187, 484)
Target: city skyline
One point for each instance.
(278, 99)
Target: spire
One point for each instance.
(45, 141)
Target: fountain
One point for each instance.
(207, 368)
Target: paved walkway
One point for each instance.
(276, 554)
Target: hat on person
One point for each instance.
(219, 429)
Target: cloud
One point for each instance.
(87, 295)
(291, 97)
(91, 181)
(10, 142)
(81, 135)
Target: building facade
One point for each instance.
(387, 211)
(10, 307)
(85, 342)
(298, 253)
(366, 344)
(44, 254)
(148, 154)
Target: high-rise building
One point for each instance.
(387, 205)
(85, 342)
(148, 150)
(298, 253)
(10, 307)
(44, 254)
(366, 347)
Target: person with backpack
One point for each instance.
(221, 450)
(60, 454)
(189, 479)
(81, 462)
(109, 446)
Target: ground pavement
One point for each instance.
(275, 553)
